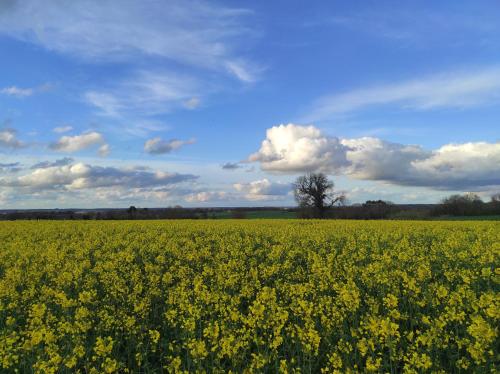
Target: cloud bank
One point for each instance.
(66, 175)
(259, 190)
(296, 149)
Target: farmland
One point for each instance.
(262, 295)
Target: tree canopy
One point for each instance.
(315, 192)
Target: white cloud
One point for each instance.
(17, 91)
(107, 103)
(375, 159)
(78, 142)
(149, 195)
(134, 194)
(66, 182)
(62, 129)
(452, 90)
(157, 146)
(20, 92)
(145, 93)
(396, 194)
(259, 190)
(143, 128)
(192, 103)
(263, 190)
(461, 165)
(243, 71)
(419, 26)
(8, 139)
(104, 150)
(80, 176)
(207, 196)
(4, 197)
(294, 149)
(196, 33)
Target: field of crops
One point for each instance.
(270, 295)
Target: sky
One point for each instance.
(154, 103)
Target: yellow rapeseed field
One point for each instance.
(249, 296)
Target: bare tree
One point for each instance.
(315, 192)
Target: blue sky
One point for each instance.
(157, 103)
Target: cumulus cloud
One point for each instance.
(80, 176)
(195, 33)
(468, 165)
(8, 139)
(293, 149)
(447, 90)
(263, 190)
(158, 146)
(78, 142)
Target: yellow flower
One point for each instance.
(154, 335)
(373, 365)
(103, 347)
(391, 301)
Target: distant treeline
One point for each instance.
(453, 206)
(132, 213)
(372, 209)
(468, 205)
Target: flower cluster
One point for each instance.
(249, 296)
